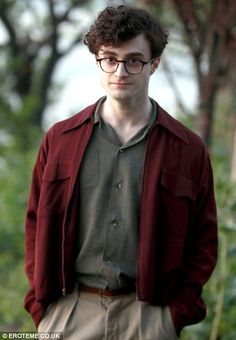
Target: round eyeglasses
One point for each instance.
(132, 66)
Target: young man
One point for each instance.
(121, 231)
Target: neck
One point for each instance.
(126, 113)
(126, 118)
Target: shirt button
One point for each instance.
(114, 223)
(119, 185)
(122, 150)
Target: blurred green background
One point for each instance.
(35, 36)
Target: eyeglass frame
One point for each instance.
(124, 62)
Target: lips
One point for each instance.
(121, 84)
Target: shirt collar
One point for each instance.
(97, 117)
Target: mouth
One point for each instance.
(120, 84)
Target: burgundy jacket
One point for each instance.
(178, 225)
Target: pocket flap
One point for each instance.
(178, 185)
(57, 170)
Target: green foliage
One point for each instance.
(220, 292)
(15, 174)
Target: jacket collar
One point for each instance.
(163, 119)
(80, 118)
(171, 124)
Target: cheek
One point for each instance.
(103, 80)
(145, 79)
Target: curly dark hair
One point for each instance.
(115, 25)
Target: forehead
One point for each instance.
(135, 46)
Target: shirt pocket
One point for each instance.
(89, 171)
(55, 185)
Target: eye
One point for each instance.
(133, 62)
(111, 60)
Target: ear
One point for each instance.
(154, 65)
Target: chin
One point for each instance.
(122, 95)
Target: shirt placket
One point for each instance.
(114, 217)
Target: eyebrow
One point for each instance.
(132, 54)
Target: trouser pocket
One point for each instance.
(58, 313)
(156, 323)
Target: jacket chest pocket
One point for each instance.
(55, 185)
(178, 194)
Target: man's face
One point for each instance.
(121, 85)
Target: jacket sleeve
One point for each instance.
(200, 253)
(32, 306)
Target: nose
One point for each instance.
(121, 71)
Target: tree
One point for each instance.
(38, 35)
(208, 28)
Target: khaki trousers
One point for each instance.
(88, 316)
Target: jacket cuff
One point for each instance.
(177, 320)
(35, 308)
(37, 316)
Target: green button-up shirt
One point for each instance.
(110, 187)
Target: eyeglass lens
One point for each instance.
(131, 66)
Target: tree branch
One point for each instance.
(26, 50)
(174, 86)
(9, 27)
(195, 35)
